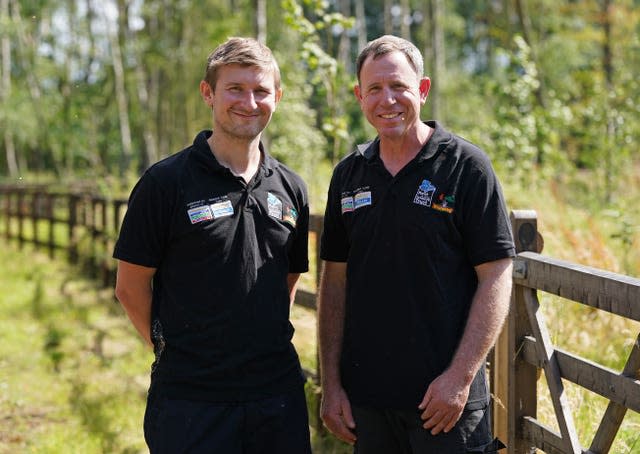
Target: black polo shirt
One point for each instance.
(411, 243)
(222, 249)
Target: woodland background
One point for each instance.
(94, 91)
(98, 90)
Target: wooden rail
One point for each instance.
(525, 348)
(84, 228)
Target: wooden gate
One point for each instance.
(525, 348)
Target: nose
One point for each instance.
(388, 97)
(250, 100)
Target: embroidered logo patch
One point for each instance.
(425, 193)
(221, 209)
(290, 215)
(445, 204)
(274, 205)
(200, 214)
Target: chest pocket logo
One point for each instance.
(281, 210)
(424, 196)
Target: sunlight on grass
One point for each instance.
(70, 366)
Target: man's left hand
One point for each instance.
(443, 402)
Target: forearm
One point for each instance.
(331, 312)
(292, 285)
(138, 309)
(488, 311)
(134, 291)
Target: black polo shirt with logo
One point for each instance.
(222, 249)
(411, 243)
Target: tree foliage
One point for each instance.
(102, 89)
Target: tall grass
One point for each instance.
(581, 227)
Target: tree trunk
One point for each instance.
(344, 47)
(388, 19)
(361, 24)
(120, 87)
(607, 67)
(26, 49)
(5, 93)
(405, 13)
(436, 37)
(260, 7)
(527, 34)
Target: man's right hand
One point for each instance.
(335, 412)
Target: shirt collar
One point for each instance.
(207, 158)
(439, 139)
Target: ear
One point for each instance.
(207, 93)
(425, 85)
(278, 95)
(356, 91)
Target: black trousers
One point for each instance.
(385, 431)
(274, 425)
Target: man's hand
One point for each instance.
(443, 403)
(335, 412)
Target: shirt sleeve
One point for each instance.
(299, 253)
(144, 231)
(486, 223)
(334, 244)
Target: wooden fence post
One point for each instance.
(316, 226)
(516, 380)
(73, 234)
(7, 211)
(50, 201)
(20, 214)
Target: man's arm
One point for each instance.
(133, 290)
(336, 409)
(292, 284)
(447, 395)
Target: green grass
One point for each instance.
(73, 374)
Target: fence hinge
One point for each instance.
(519, 268)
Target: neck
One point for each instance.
(397, 152)
(241, 157)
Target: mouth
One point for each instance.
(390, 116)
(246, 114)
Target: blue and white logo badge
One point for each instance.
(362, 199)
(274, 204)
(425, 193)
(222, 209)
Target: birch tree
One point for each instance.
(5, 88)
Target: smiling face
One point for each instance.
(243, 100)
(391, 94)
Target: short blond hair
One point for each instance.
(241, 51)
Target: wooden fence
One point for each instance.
(83, 228)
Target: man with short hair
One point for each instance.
(209, 254)
(417, 274)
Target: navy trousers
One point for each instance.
(277, 425)
(385, 431)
